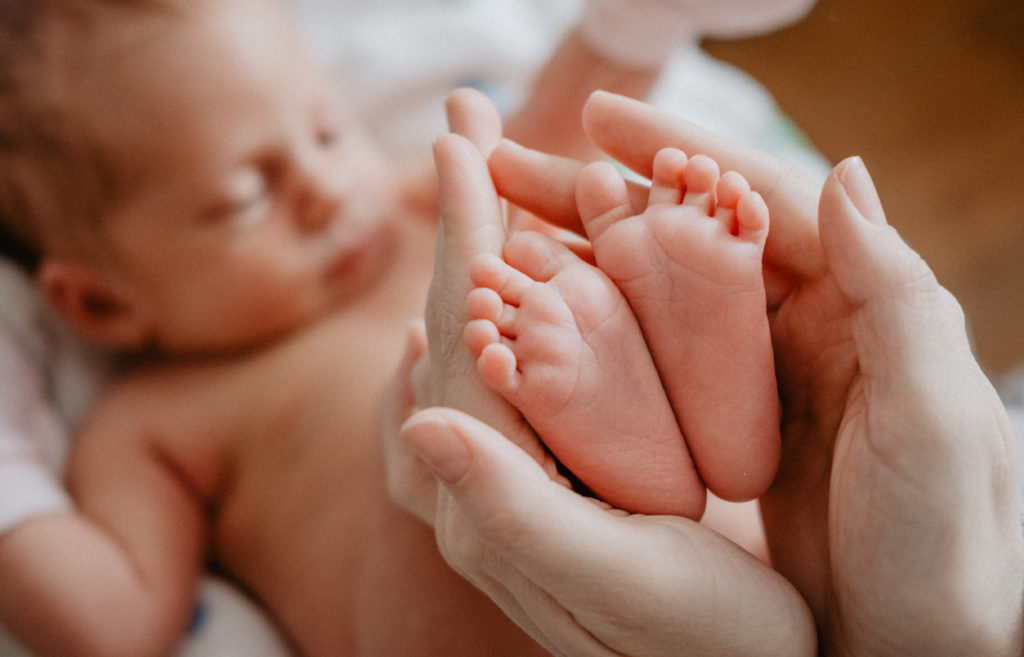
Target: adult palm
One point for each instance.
(565, 569)
(895, 508)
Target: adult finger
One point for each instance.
(471, 213)
(472, 115)
(632, 132)
(480, 468)
(527, 540)
(471, 224)
(409, 481)
(542, 184)
(545, 185)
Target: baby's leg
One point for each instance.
(690, 266)
(555, 337)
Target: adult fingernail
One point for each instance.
(436, 442)
(507, 145)
(861, 191)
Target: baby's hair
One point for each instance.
(53, 175)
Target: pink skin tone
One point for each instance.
(556, 337)
(895, 511)
(690, 266)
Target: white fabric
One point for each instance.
(727, 101)
(398, 59)
(730, 19)
(1011, 390)
(1017, 426)
(226, 624)
(32, 435)
(644, 33)
(638, 33)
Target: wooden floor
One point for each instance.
(931, 94)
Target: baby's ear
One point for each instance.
(92, 304)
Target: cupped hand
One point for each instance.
(579, 577)
(895, 509)
(587, 580)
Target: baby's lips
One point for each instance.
(361, 257)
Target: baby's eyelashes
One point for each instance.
(246, 200)
(253, 209)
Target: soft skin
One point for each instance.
(889, 429)
(564, 568)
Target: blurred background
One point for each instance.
(931, 94)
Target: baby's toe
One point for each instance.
(701, 178)
(730, 189)
(752, 218)
(602, 198)
(667, 181)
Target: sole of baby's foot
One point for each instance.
(690, 266)
(555, 337)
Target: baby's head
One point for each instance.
(180, 173)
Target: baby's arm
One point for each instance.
(116, 576)
(585, 61)
(623, 46)
(549, 119)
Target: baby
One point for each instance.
(237, 234)
(218, 215)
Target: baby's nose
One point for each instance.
(320, 202)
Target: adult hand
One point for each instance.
(587, 580)
(895, 509)
(581, 578)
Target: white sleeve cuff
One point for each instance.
(27, 490)
(635, 34)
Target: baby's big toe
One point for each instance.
(601, 198)
(752, 218)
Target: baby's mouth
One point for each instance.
(357, 262)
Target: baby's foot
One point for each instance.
(555, 337)
(690, 266)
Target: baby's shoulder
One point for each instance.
(192, 417)
(186, 406)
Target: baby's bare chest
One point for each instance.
(305, 461)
